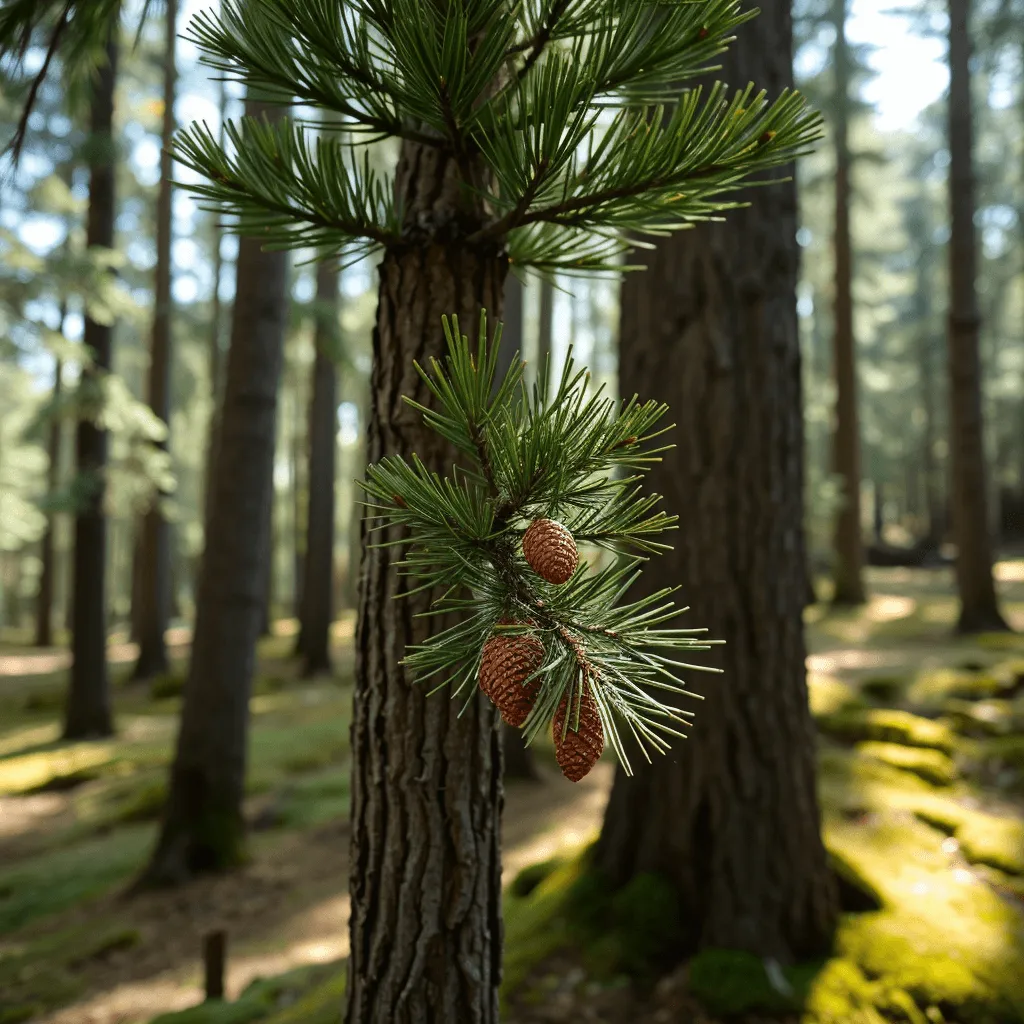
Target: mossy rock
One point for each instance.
(931, 765)
(982, 838)
(999, 762)
(887, 725)
(730, 982)
(323, 1005)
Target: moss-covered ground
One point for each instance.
(921, 769)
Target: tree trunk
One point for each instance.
(426, 783)
(203, 826)
(979, 611)
(155, 551)
(44, 602)
(730, 817)
(88, 711)
(849, 550)
(547, 312)
(298, 450)
(317, 610)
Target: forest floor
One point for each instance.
(922, 782)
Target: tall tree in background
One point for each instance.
(154, 577)
(48, 573)
(88, 710)
(849, 551)
(317, 606)
(979, 610)
(203, 827)
(474, 189)
(545, 321)
(730, 818)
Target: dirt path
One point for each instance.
(288, 908)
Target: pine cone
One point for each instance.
(506, 664)
(551, 551)
(579, 751)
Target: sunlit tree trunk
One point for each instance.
(203, 827)
(425, 863)
(155, 551)
(979, 610)
(88, 710)
(849, 548)
(730, 816)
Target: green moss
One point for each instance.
(886, 725)
(931, 688)
(883, 688)
(829, 695)
(993, 717)
(167, 686)
(982, 838)
(931, 765)
(323, 1005)
(731, 982)
(20, 1013)
(267, 999)
(41, 770)
(533, 874)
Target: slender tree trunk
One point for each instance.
(979, 610)
(269, 570)
(426, 782)
(155, 567)
(730, 817)
(317, 610)
(299, 449)
(88, 711)
(547, 312)
(203, 828)
(849, 549)
(44, 602)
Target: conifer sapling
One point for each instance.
(547, 637)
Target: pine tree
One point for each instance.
(154, 570)
(979, 609)
(503, 160)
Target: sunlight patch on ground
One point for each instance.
(888, 608)
(1010, 572)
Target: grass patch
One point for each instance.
(62, 878)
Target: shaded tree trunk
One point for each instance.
(317, 611)
(203, 828)
(88, 711)
(155, 550)
(730, 817)
(299, 448)
(849, 549)
(47, 576)
(426, 783)
(979, 610)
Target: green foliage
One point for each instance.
(519, 90)
(733, 982)
(529, 454)
(931, 765)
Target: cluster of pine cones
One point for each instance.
(509, 661)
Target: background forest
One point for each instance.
(137, 338)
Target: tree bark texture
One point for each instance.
(88, 711)
(426, 784)
(849, 547)
(318, 575)
(979, 610)
(203, 827)
(155, 565)
(730, 816)
(47, 576)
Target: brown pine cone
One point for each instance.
(579, 751)
(550, 550)
(507, 662)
